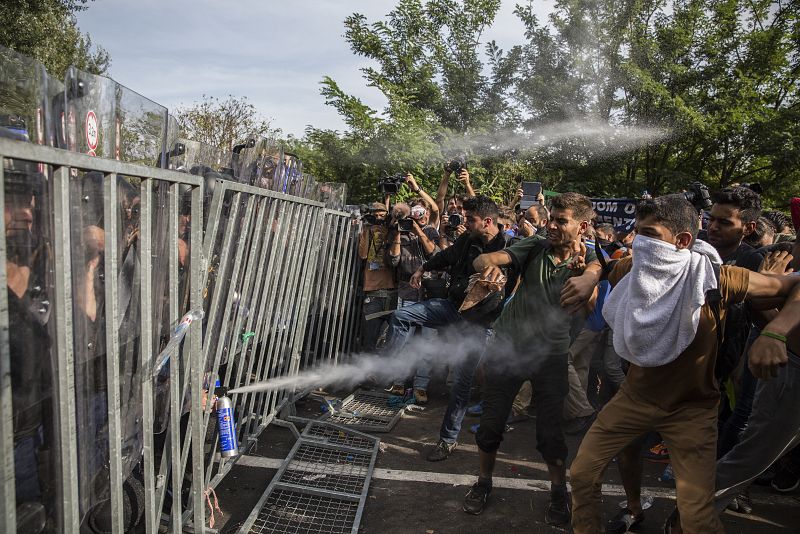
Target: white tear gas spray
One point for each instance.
(452, 347)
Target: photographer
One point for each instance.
(453, 219)
(412, 243)
(432, 212)
(380, 294)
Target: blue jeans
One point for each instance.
(433, 313)
(423, 374)
(459, 396)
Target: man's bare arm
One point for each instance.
(441, 193)
(768, 353)
(501, 258)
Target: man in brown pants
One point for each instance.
(664, 326)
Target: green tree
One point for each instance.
(48, 31)
(719, 78)
(222, 123)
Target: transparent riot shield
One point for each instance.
(90, 113)
(267, 166)
(107, 120)
(30, 428)
(140, 128)
(27, 98)
(252, 162)
(333, 195)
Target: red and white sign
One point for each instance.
(92, 131)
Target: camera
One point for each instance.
(456, 165)
(405, 225)
(372, 220)
(699, 195)
(454, 220)
(390, 185)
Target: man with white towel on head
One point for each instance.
(665, 326)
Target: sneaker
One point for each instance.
(420, 396)
(624, 521)
(742, 503)
(476, 410)
(398, 390)
(657, 453)
(558, 513)
(441, 451)
(475, 500)
(518, 418)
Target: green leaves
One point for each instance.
(721, 76)
(47, 31)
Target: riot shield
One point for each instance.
(140, 128)
(27, 98)
(252, 162)
(108, 120)
(333, 195)
(30, 428)
(90, 114)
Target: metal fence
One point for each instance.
(103, 259)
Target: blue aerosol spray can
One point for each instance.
(228, 444)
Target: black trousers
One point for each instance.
(548, 375)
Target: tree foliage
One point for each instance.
(720, 77)
(222, 123)
(48, 31)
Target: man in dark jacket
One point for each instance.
(483, 235)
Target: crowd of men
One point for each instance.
(675, 338)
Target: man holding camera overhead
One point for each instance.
(452, 223)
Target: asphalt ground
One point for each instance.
(408, 494)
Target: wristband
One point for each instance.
(773, 335)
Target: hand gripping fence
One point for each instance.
(117, 254)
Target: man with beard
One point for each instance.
(532, 339)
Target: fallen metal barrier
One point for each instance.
(322, 485)
(368, 411)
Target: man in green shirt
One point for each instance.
(532, 342)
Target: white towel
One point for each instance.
(654, 310)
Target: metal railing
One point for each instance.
(274, 274)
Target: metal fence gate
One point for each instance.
(103, 258)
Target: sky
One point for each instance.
(273, 53)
